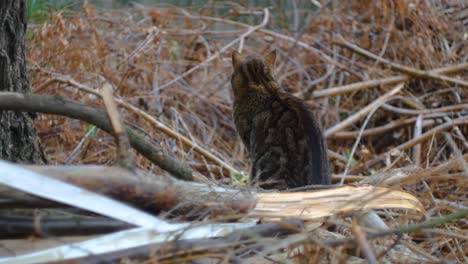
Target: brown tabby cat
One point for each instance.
(278, 129)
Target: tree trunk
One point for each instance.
(18, 138)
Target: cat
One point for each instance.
(279, 130)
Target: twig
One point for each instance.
(348, 178)
(222, 50)
(77, 149)
(310, 18)
(417, 148)
(458, 132)
(456, 122)
(379, 130)
(364, 111)
(153, 33)
(398, 67)
(405, 229)
(385, 81)
(418, 250)
(126, 159)
(363, 244)
(274, 34)
(455, 150)
(356, 143)
(425, 111)
(457, 163)
(174, 134)
(389, 31)
(450, 234)
(165, 129)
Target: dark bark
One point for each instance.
(20, 226)
(18, 139)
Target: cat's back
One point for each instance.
(286, 144)
(279, 130)
(310, 144)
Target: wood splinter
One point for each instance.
(125, 156)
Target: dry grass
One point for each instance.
(145, 54)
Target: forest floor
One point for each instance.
(387, 79)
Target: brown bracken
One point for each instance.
(279, 130)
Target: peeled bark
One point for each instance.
(154, 194)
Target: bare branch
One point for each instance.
(398, 67)
(61, 106)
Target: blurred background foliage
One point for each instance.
(290, 14)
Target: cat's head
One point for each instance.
(252, 73)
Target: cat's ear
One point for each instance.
(236, 59)
(270, 59)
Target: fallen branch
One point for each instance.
(405, 229)
(379, 130)
(404, 111)
(162, 193)
(425, 136)
(363, 112)
(20, 226)
(398, 67)
(385, 81)
(148, 192)
(61, 106)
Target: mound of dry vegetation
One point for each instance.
(387, 79)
